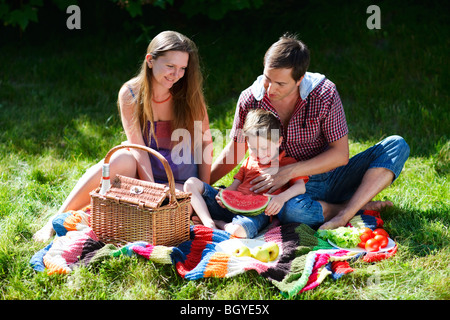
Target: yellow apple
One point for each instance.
(261, 254)
(273, 250)
(242, 251)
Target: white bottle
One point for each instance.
(106, 183)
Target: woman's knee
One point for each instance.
(124, 163)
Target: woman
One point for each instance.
(166, 95)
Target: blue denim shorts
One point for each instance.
(252, 225)
(339, 185)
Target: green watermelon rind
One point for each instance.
(248, 213)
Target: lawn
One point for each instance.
(58, 116)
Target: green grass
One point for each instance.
(58, 116)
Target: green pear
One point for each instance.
(261, 254)
(242, 251)
(273, 249)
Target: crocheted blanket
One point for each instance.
(305, 259)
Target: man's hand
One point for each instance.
(271, 179)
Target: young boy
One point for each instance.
(261, 131)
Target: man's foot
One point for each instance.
(377, 205)
(336, 222)
(340, 220)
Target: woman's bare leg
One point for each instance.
(122, 162)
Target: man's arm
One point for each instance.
(335, 156)
(228, 159)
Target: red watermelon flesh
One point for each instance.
(245, 204)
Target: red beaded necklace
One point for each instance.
(170, 96)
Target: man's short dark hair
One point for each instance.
(288, 52)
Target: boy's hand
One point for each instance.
(275, 205)
(218, 199)
(233, 187)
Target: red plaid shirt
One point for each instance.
(325, 121)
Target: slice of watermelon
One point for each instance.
(244, 204)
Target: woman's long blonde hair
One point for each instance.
(187, 93)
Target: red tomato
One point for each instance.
(367, 231)
(381, 231)
(372, 245)
(364, 237)
(362, 245)
(382, 239)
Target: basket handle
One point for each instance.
(169, 173)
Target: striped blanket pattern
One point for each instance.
(304, 262)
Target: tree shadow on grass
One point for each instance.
(48, 93)
(421, 232)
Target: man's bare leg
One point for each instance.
(373, 182)
(377, 205)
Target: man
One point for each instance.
(315, 133)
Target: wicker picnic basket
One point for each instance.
(135, 210)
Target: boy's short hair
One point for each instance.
(288, 52)
(263, 123)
